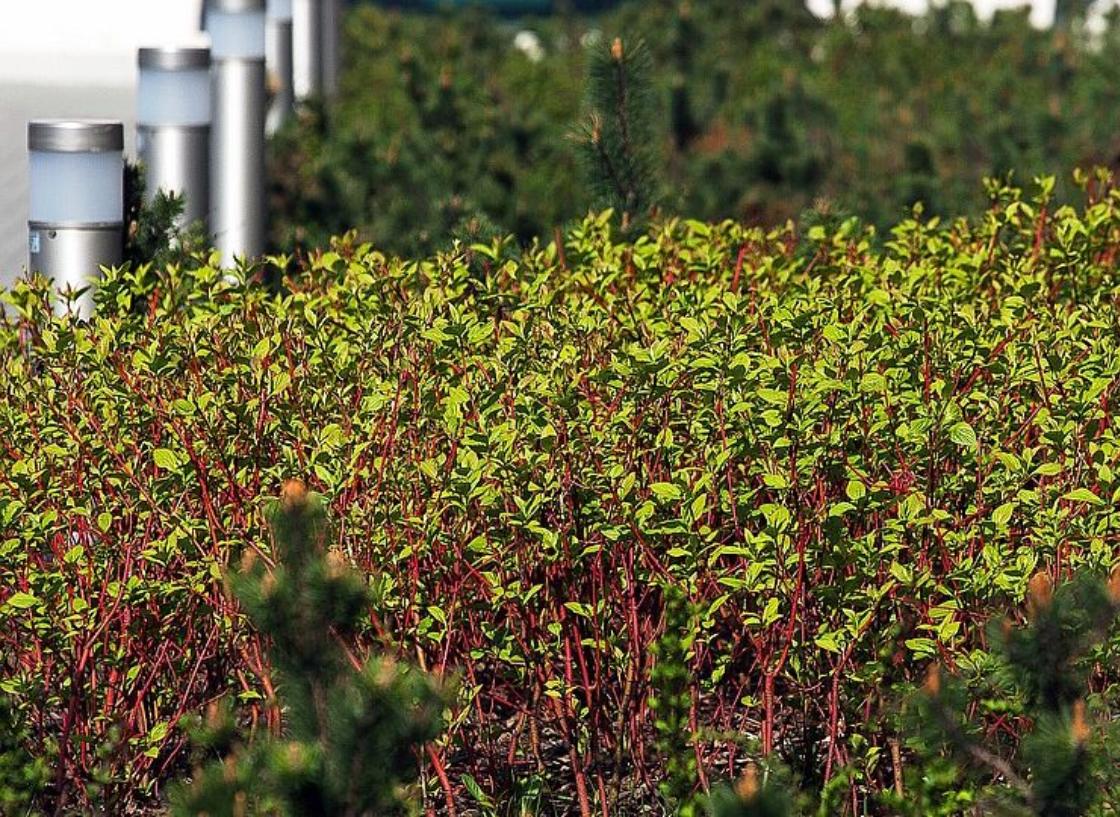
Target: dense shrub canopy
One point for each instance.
(764, 112)
(845, 452)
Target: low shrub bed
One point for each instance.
(840, 453)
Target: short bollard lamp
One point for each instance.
(278, 62)
(237, 49)
(173, 126)
(76, 212)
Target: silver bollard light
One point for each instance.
(237, 47)
(307, 48)
(76, 213)
(332, 20)
(173, 126)
(278, 64)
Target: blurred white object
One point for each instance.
(529, 44)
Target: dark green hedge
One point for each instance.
(764, 112)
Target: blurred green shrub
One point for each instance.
(760, 112)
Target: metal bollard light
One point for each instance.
(307, 48)
(237, 46)
(332, 20)
(173, 126)
(278, 63)
(76, 214)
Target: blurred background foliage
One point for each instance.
(465, 122)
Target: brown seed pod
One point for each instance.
(213, 715)
(295, 754)
(386, 671)
(616, 49)
(1005, 627)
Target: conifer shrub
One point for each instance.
(845, 451)
(1065, 766)
(352, 730)
(23, 772)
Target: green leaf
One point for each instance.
(22, 601)
(475, 790)
(921, 647)
(699, 503)
(855, 490)
(159, 732)
(962, 434)
(578, 608)
(166, 459)
(665, 491)
(1083, 495)
(873, 382)
(828, 642)
(1002, 515)
(773, 396)
(776, 481)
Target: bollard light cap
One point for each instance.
(75, 135)
(174, 59)
(236, 6)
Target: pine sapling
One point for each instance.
(22, 775)
(671, 703)
(1060, 769)
(352, 729)
(753, 795)
(620, 137)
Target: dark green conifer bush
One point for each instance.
(23, 773)
(1064, 766)
(620, 141)
(351, 730)
(672, 705)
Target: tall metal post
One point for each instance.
(76, 222)
(332, 21)
(237, 45)
(307, 48)
(278, 64)
(173, 126)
